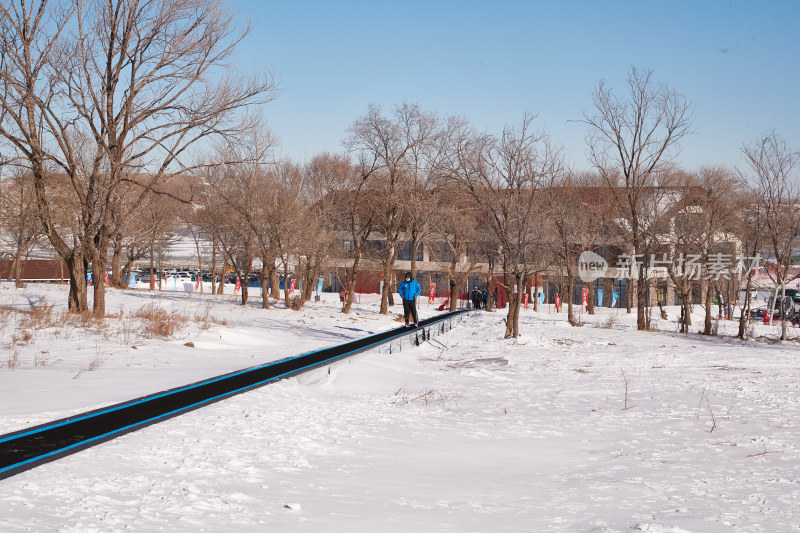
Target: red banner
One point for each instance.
(291, 288)
(585, 297)
(106, 278)
(525, 300)
(432, 295)
(558, 303)
(238, 286)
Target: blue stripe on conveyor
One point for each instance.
(27, 448)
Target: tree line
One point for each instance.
(121, 122)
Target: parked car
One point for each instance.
(184, 277)
(790, 306)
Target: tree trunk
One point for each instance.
(629, 288)
(126, 272)
(307, 286)
(414, 249)
(568, 296)
(590, 299)
(286, 285)
(689, 297)
(772, 307)
(707, 324)
(535, 293)
(243, 282)
(641, 315)
(213, 264)
(116, 263)
(99, 265)
(16, 270)
(275, 289)
(223, 276)
(686, 307)
(264, 285)
(388, 268)
(783, 311)
(514, 301)
(745, 309)
(351, 282)
(78, 301)
(517, 308)
(199, 260)
(509, 296)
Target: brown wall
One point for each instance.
(38, 270)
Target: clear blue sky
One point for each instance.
(738, 62)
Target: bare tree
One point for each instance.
(750, 228)
(682, 238)
(696, 231)
(289, 225)
(453, 239)
(716, 210)
(160, 223)
(775, 183)
(393, 152)
(351, 197)
(319, 235)
(18, 217)
(100, 90)
(228, 207)
(632, 138)
(505, 176)
(565, 214)
(248, 188)
(580, 221)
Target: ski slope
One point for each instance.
(467, 433)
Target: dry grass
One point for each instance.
(204, 319)
(19, 329)
(159, 322)
(427, 397)
(40, 316)
(13, 358)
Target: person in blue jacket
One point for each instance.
(409, 290)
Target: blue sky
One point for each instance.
(738, 62)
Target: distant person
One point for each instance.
(485, 296)
(477, 297)
(409, 289)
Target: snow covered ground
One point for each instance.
(593, 428)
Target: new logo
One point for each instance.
(591, 266)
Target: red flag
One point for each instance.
(432, 295)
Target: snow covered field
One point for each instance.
(593, 428)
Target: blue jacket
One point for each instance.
(409, 290)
